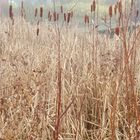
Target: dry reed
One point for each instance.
(66, 84)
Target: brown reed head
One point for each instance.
(37, 32)
(86, 19)
(22, 8)
(120, 7)
(115, 9)
(94, 5)
(68, 17)
(11, 11)
(117, 31)
(41, 12)
(110, 11)
(65, 17)
(54, 16)
(137, 13)
(91, 8)
(36, 11)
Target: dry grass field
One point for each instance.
(57, 83)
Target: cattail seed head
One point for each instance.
(91, 8)
(115, 9)
(54, 16)
(11, 11)
(94, 5)
(36, 11)
(110, 11)
(41, 12)
(86, 19)
(68, 18)
(37, 32)
(120, 7)
(137, 13)
(117, 31)
(22, 9)
(65, 17)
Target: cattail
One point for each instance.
(115, 9)
(86, 19)
(137, 13)
(94, 5)
(91, 8)
(11, 11)
(41, 12)
(68, 18)
(54, 16)
(110, 11)
(57, 16)
(61, 8)
(37, 32)
(117, 31)
(65, 17)
(120, 7)
(36, 11)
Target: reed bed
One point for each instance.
(62, 84)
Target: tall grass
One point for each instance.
(59, 83)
